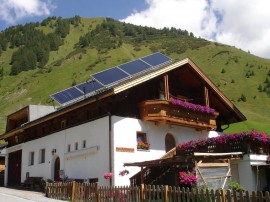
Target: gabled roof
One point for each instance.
(194, 75)
(233, 114)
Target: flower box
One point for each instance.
(143, 145)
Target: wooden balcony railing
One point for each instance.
(246, 147)
(162, 112)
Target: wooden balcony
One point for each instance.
(164, 112)
(246, 147)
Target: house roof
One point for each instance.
(193, 75)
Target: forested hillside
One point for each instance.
(39, 59)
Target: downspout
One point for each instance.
(110, 145)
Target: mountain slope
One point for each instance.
(96, 44)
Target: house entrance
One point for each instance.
(14, 167)
(57, 169)
(169, 142)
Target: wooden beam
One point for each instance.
(206, 97)
(166, 87)
(202, 165)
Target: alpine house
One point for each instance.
(133, 112)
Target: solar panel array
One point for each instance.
(111, 77)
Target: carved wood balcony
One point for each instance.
(163, 111)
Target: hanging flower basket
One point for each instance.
(108, 176)
(123, 172)
(187, 178)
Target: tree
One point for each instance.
(260, 88)
(1, 73)
(223, 71)
(243, 98)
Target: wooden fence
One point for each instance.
(85, 192)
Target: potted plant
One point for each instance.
(143, 145)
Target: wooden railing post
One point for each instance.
(166, 188)
(142, 193)
(73, 191)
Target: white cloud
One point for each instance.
(12, 11)
(243, 23)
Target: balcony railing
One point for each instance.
(246, 147)
(162, 112)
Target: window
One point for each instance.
(93, 180)
(42, 156)
(68, 149)
(142, 141)
(141, 137)
(31, 158)
(76, 145)
(84, 144)
(63, 124)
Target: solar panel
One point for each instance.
(67, 95)
(89, 87)
(135, 67)
(156, 60)
(110, 77)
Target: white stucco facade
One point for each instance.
(37, 111)
(93, 160)
(248, 173)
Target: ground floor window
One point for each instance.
(142, 142)
(31, 158)
(42, 156)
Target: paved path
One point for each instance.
(15, 195)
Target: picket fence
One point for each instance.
(85, 192)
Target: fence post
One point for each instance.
(97, 193)
(166, 194)
(142, 193)
(73, 191)
(223, 195)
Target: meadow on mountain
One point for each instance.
(39, 59)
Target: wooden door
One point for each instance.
(169, 142)
(14, 167)
(57, 169)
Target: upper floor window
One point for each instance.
(63, 123)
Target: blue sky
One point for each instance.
(118, 9)
(242, 23)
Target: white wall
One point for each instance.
(247, 174)
(83, 164)
(37, 111)
(93, 161)
(124, 135)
